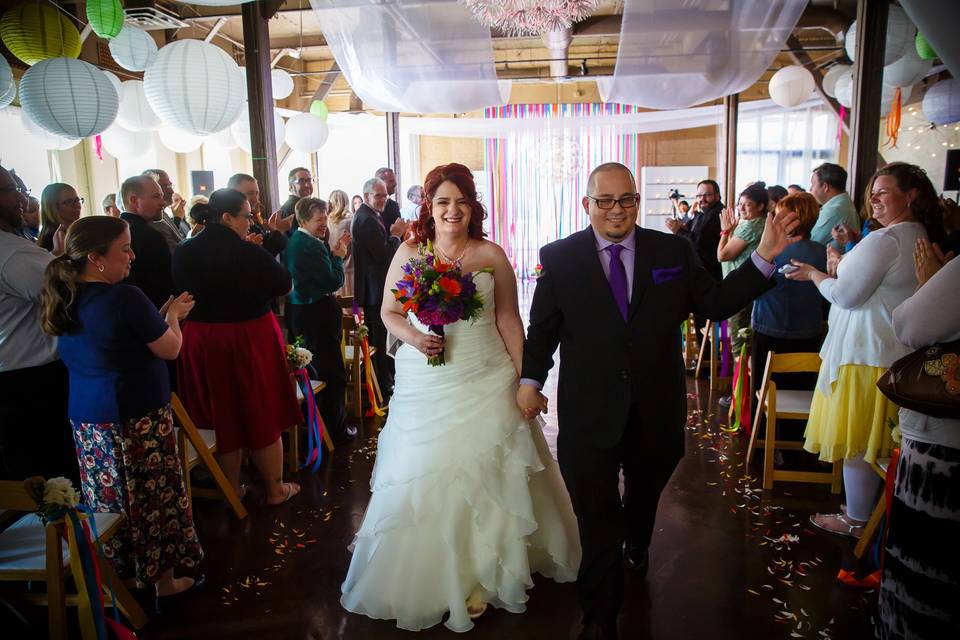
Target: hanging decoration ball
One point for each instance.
(319, 108)
(241, 132)
(114, 80)
(844, 94)
(941, 105)
(907, 71)
(195, 86)
(222, 140)
(831, 76)
(45, 139)
(526, 17)
(133, 48)
(282, 84)
(135, 112)
(35, 31)
(8, 86)
(843, 89)
(791, 86)
(179, 141)
(924, 50)
(306, 132)
(69, 97)
(121, 142)
(219, 3)
(900, 36)
(105, 17)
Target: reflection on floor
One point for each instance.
(727, 560)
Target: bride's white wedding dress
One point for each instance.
(465, 491)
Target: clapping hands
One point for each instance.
(728, 219)
(928, 259)
(179, 306)
(255, 238)
(398, 228)
(342, 246)
(277, 222)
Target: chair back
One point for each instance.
(793, 362)
(15, 497)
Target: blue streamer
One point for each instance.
(314, 438)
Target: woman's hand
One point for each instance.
(255, 238)
(803, 272)
(343, 244)
(928, 259)
(59, 241)
(428, 344)
(833, 261)
(728, 219)
(181, 305)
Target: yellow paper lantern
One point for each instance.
(35, 31)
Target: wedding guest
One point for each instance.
(848, 416)
(410, 210)
(355, 203)
(172, 225)
(845, 237)
(114, 341)
(828, 184)
(921, 567)
(31, 219)
(391, 209)
(109, 205)
(270, 234)
(338, 221)
(232, 369)
(196, 216)
(301, 186)
(35, 437)
(143, 205)
(313, 311)
(60, 207)
(775, 194)
(794, 189)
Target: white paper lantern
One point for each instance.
(843, 89)
(179, 141)
(282, 84)
(243, 81)
(907, 71)
(223, 139)
(241, 132)
(194, 86)
(791, 86)
(831, 76)
(133, 48)
(123, 143)
(8, 87)
(901, 35)
(306, 132)
(219, 3)
(135, 112)
(114, 80)
(941, 105)
(68, 97)
(45, 139)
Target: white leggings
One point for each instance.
(860, 482)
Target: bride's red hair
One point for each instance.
(423, 228)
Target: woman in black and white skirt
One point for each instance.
(921, 576)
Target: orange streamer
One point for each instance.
(893, 121)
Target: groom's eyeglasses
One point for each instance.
(626, 202)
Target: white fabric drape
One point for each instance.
(938, 24)
(414, 56)
(678, 53)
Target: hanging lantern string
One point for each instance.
(67, 13)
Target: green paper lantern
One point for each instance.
(924, 50)
(105, 17)
(35, 31)
(319, 109)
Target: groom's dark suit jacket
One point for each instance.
(606, 363)
(373, 249)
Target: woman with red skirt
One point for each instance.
(232, 373)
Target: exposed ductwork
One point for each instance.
(557, 43)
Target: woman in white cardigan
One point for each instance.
(850, 419)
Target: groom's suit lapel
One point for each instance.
(642, 277)
(586, 248)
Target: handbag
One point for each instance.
(927, 381)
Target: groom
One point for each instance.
(613, 297)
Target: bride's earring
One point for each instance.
(100, 268)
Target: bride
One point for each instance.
(467, 500)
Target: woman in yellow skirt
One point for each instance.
(850, 419)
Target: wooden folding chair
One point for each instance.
(293, 451)
(197, 446)
(30, 551)
(353, 361)
(789, 404)
(711, 341)
(881, 466)
(689, 342)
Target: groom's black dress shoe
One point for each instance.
(596, 631)
(636, 558)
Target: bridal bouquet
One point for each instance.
(438, 293)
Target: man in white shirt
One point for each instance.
(410, 210)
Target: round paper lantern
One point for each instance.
(924, 50)
(133, 48)
(223, 139)
(114, 80)
(45, 139)
(843, 89)
(900, 36)
(831, 76)
(105, 17)
(179, 141)
(282, 84)
(8, 87)
(120, 142)
(907, 71)
(844, 94)
(68, 97)
(195, 86)
(941, 105)
(35, 31)
(306, 132)
(241, 132)
(319, 108)
(791, 86)
(135, 113)
(219, 3)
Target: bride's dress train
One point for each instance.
(465, 491)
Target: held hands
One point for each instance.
(777, 235)
(340, 249)
(426, 343)
(531, 402)
(179, 306)
(728, 219)
(277, 222)
(398, 228)
(928, 259)
(833, 261)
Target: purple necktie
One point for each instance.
(618, 278)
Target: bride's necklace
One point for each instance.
(446, 258)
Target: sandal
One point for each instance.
(290, 492)
(838, 523)
(475, 611)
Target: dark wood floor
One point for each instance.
(727, 561)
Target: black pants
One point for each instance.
(382, 363)
(36, 438)
(605, 520)
(320, 325)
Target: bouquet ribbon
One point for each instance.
(368, 368)
(740, 406)
(314, 424)
(725, 354)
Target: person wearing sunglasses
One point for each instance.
(60, 207)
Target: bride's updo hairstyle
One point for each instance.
(459, 175)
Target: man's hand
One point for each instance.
(178, 206)
(399, 228)
(777, 235)
(255, 238)
(531, 402)
(278, 223)
(674, 225)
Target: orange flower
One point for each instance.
(451, 286)
(442, 267)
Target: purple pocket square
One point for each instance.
(666, 275)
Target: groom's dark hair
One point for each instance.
(607, 166)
